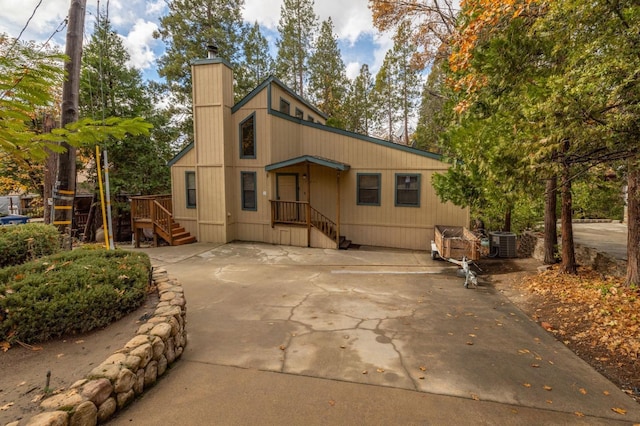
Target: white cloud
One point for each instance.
(139, 43)
(353, 69)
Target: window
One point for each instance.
(285, 107)
(248, 137)
(408, 190)
(249, 194)
(369, 189)
(190, 180)
(299, 114)
(310, 118)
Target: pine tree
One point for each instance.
(407, 77)
(297, 27)
(187, 30)
(327, 75)
(387, 98)
(359, 111)
(258, 63)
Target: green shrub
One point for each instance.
(21, 243)
(70, 292)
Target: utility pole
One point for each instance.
(65, 187)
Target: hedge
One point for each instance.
(21, 243)
(70, 292)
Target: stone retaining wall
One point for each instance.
(129, 371)
(532, 245)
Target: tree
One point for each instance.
(407, 77)
(360, 103)
(258, 63)
(327, 74)
(187, 30)
(297, 28)
(435, 24)
(387, 98)
(431, 115)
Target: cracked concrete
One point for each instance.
(389, 318)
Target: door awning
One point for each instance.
(311, 159)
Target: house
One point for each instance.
(267, 169)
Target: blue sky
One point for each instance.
(135, 21)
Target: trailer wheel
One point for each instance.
(434, 255)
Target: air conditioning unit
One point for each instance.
(502, 244)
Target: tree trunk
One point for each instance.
(633, 233)
(550, 221)
(507, 220)
(568, 254)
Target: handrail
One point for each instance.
(163, 219)
(323, 224)
(289, 212)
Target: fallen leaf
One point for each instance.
(579, 414)
(422, 368)
(583, 391)
(535, 365)
(380, 370)
(526, 385)
(472, 335)
(6, 406)
(475, 397)
(5, 346)
(549, 401)
(606, 393)
(619, 410)
(547, 388)
(60, 355)
(343, 346)
(283, 347)
(421, 377)
(470, 343)
(79, 341)
(332, 402)
(524, 351)
(364, 371)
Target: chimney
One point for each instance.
(212, 49)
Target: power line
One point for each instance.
(24, 28)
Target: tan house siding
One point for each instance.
(219, 216)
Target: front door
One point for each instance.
(287, 190)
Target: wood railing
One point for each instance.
(289, 212)
(323, 223)
(301, 213)
(153, 212)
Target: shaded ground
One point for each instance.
(566, 320)
(23, 370)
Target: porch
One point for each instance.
(301, 213)
(155, 213)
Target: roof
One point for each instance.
(311, 159)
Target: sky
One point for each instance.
(136, 20)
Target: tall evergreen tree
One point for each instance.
(187, 30)
(431, 117)
(407, 76)
(328, 75)
(111, 88)
(258, 63)
(297, 27)
(360, 105)
(387, 98)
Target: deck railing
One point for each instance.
(289, 212)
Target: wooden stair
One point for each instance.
(180, 236)
(328, 228)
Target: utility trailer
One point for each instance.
(455, 242)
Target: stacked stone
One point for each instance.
(128, 372)
(531, 245)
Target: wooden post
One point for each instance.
(338, 211)
(65, 191)
(308, 207)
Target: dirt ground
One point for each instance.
(23, 371)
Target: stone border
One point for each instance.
(532, 245)
(116, 382)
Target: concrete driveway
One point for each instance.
(285, 335)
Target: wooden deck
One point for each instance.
(155, 212)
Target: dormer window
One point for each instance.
(299, 113)
(285, 107)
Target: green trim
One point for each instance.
(357, 136)
(211, 61)
(299, 114)
(186, 184)
(255, 191)
(395, 189)
(311, 159)
(255, 147)
(181, 154)
(252, 94)
(287, 103)
(358, 202)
